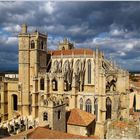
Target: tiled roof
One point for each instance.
(71, 52)
(120, 124)
(80, 117)
(21, 135)
(45, 133)
(51, 134)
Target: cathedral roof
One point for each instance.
(80, 117)
(72, 52)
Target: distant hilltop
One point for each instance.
(134, 72)
(9, 71)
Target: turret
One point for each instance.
(23, 28)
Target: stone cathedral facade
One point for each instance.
(63, 79)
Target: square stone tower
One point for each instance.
(32, 66)
(52, 113)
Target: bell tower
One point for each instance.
(32, 65)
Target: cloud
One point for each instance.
(114, 26)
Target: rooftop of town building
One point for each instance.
(45, 133)
(80, 117)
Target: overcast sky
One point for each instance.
(113, 26)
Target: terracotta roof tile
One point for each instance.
(72, 52)
(45, 133)
(50, 134)
(123, 124)
(120, 124)
(80, 117)
(20, 135)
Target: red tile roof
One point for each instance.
(72, 52)
(45, 133)
(80, 117)
(120, 124)
(21, 135)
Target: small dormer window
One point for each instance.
(32, 44)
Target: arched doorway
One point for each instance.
(108, 108)
(14, 102)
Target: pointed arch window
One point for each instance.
(32, 44)
(134, 103)
(55, 66)
(108, 108)
(81, 103)
(59, 115)
(14, 102)
(42, 84)
(45, 116)
(96, 108)
(41, 45)
(88, 106)
(54, 85)
(65, 85)
(89, 72)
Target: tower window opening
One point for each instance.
(134, 103)
(45, 116)
(54, 85)
(42, 45)
(15, 101)
(65, 86)
(32, 44)
(42, 84)
(59, 115)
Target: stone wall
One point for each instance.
(122, 129)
